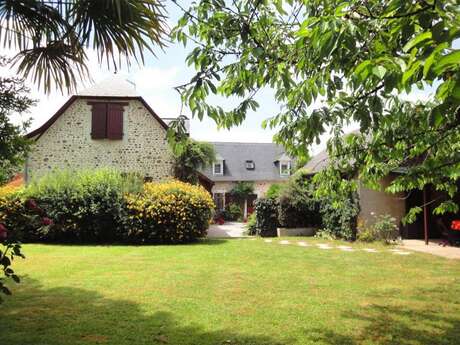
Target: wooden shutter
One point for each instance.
(99, 121)
(114, 121)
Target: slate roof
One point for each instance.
(317, 162)
(114, 86)
(235, 155)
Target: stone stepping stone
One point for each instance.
(370, 250)
(346, 249)
(401, 253)
(394, 250)
(303, 244)
(268, 241)
(324, 246)
(284, 242)
(252, 239)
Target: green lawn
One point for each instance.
(229, 292)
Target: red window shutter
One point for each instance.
(114, 121)
(99, 121)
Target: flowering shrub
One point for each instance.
(170, 212)
(105, 206)
(8, 190)
(9, 247)
(72, 207)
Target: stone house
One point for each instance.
(260, 163)
(379, 202)
(107, 125)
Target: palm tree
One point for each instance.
(51, 35)
(190, 157)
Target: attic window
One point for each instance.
(218, 168)
(250, 165)
(107, 120)
(285, 168)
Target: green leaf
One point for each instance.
(361, 68)
(450, 60)
(379, 71)
(456, 91)
(416, 40)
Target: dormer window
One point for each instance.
(218, 168)
(250, 165)
(285, 168)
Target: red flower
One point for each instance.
(455, 225)
(47, 221)
(3, 232)
(31, 204)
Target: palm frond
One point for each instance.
(55, 66)
(51, 35)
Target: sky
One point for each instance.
(155, 82)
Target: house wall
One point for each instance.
(260, 187)
(380, 202)
(67, 144)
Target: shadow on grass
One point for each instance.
(397, 325)
(35, 315)
(203, 241)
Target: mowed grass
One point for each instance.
(230, 292)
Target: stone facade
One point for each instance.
(67, 144)
(260, 187)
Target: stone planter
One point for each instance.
(282, 232)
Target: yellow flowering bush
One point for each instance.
(168, 212)
(8, 190)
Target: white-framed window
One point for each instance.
(285, 168)
(218, 168)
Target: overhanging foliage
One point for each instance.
(356, 58)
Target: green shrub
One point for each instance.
(366, 235)
(384, 229)
(297, 205)
(232, 212)
(171, 212)
(267, 217)
(325, 234)
(274, 191)
(340, 218)
(85, 206)
(251, 224)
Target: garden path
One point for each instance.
(432, 248)
(227, 230)
(325, 246)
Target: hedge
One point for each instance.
(266, 217)
(105, 206)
